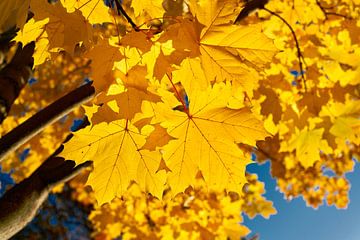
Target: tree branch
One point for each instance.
(20, 204)
(299, 54)
(252, 5)
(249, 7)
(121, 11)
(25, 131)
(14, 76)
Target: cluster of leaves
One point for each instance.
(313, 115)
(140, 95)
(198, 214)
(185, 97)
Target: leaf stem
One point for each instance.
(178, 95)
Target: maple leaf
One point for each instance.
(308, 144)
(129, 93)
(214, 13)
(118, 160)
(191, 75)
(157, 139)
(205, 140)
(53, 28)
(227, 52)
(95, 11)
(35, 30)
(103, 113)
(152, 7)
(138, 40)
(103, 56)
(62, 25)
(345, 118)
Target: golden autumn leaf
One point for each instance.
(191, 75)
(308, 144)
(95, 11)
(62, 25)
(52, 29)
(130, 91)
(152, 7)
(118, 160)
(35, 30)
(205, 135)
(228, 52)
(103, 56)
(345, 118)
(158, 138)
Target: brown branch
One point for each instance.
(25, 131)
(5, 44)
(14, 76)
(299, 54)
(249, 7)
(121, 11)
(20, 204)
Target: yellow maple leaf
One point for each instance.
(345, 119)
(206, 136)
(95, 11)
(300, 11)
(158, 138)
(103, 56)
(153, 8)
(248, 43)
(214, 13)
(227, 52)
(191, 75)
(35, 31)
(53, 29)
(129, 93)
(103, 113)
(308, 144)
(233, 229)
(118, 160)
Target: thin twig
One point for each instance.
(299, 54)
(121, 11)
(326, 13)
(249, 7)
(25, 131)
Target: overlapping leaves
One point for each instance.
(201, 138)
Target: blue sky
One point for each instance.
(295, 221)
